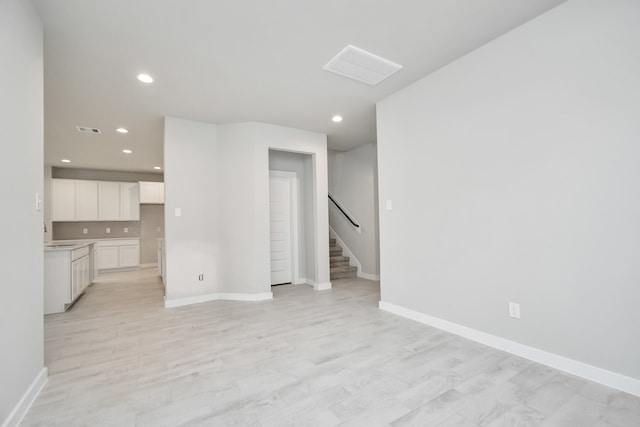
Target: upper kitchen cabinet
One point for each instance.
(151, 192)
(118, 201)
(74, 200)
(86, 200)
(108, 201)
(129, 201)
(83, 200)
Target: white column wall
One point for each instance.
(22, 371)
(193, 246)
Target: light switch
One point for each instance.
(389, 205)
(108, 230)
(178, 211)
(126, 230)
(85, 230)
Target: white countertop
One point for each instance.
(58, 246)
(67, 245)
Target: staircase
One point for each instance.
(339, 265)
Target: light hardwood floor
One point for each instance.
(307, 358)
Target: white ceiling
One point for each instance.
(223, 61)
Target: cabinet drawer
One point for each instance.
(79, 253)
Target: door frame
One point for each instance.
(293, 214)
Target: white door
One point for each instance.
(280, 222)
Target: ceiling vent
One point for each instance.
(360, 65)
(88, 130)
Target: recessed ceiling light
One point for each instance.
(122, 130)
(157, 167)
(65, 161)
(145, 78)
(337, 119)
(127, 151)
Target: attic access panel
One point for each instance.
(360, 65)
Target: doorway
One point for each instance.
(283, 223)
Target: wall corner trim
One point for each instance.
(20, 410)
(178, 302)
(574, 367)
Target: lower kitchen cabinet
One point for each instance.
(114, 254)
(67, 274)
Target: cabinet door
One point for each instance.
(63, 199)
(86, 200)
(151, 192)
(76, 278)
(129, 201)
(129, 256)
(107, 257)
(108, 201)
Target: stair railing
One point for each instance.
(346, 215)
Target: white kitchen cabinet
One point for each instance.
(118, 201)
(63, 195)
(129, 256)
(151, 192)
(86, 200)
(107, 257)
(108, 201)
(74, 200)
(129, 201)
(67, 275)
(117, 254)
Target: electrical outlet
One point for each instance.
(85, 230)
(514, 310)
(108, 230)
(126, 230)
(201, 277)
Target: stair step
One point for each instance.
(337, 261)
(335, 251)
(332, 242)
(343, 272)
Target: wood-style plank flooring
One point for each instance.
(307, 358)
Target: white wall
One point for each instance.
(219, 176)
(193, 246)
(514, 176)
(22, 370)
(353, 183)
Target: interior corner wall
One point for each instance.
(22, 369)
(352, 181)
(218, 175)
(513, 174)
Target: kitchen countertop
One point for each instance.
(67, 245)
(57, 246)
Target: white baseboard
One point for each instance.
(149, 265)
(369, 276)
(20, 410)
(574, 367)
(262, 296)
